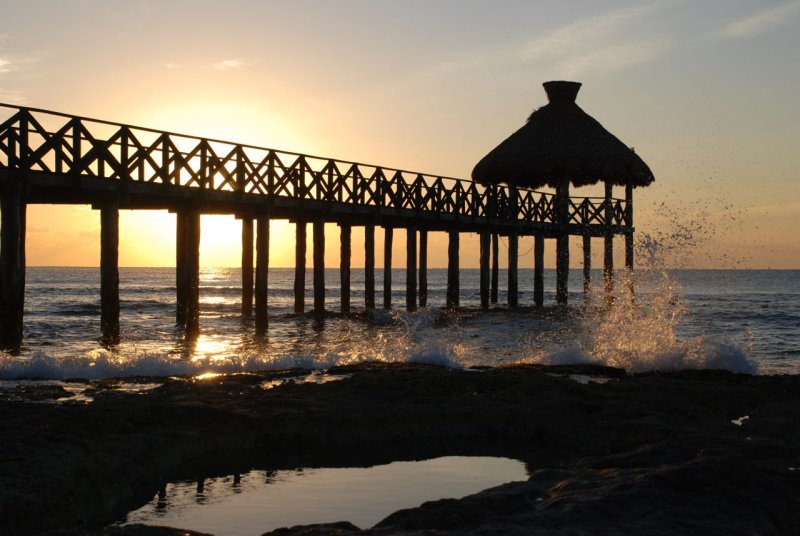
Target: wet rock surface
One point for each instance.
(658, 453)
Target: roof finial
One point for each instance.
(562, 91)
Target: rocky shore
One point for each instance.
(657, 453)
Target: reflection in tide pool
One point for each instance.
(258, 501)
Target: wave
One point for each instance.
(694, 354)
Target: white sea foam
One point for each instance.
(412, 344)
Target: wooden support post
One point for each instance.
(262, 272)
(300, 268)
(369, 266)
(587, 265)
(180, 268)
(495, 268)
(608, 245)
(387, 267)
(411, 268)
(12, 271)
(629, 236)
(192, 271)
(109, 273)
(423, 267)
(344, 266)
(538, 269)
(453, 290)
(484, 265)
(562, 242)
(513, 260)
(319, 268)
(247, 266)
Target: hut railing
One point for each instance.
(34, 140)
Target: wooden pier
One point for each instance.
(53, 158)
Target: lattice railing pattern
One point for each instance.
(42, 141)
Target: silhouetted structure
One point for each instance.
(48, 157)
(561, 145)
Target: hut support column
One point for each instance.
(423, 268)
(484, 264)
(538, 269)
(562, 243)
(247, 267)
(344, 267)
(387, 267)
(369, 266)
(109, 273)
(513, 259)
(319, 267)
(587, 265)
(452, 269)
(12, 270)
(608, 246)
(262, 271)
(629, 236)
(495, 267)
(300, 267)
(411, 268)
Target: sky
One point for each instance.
(705, 90)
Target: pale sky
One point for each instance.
(705, 90)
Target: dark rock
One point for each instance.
(657, 453)
(341, 527)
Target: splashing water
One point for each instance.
(638, 332)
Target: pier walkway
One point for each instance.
(54, 158)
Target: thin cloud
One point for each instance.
(600, 43)
(584, 33)
(9, 64)
(226, 65)
(12, 96)
(611, 58)
(762, 21)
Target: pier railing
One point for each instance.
(40, 141)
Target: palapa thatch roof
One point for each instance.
(562, 141)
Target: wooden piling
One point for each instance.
(262, 273)
(319, 267)
(247, 267)
(453, 290)
(411, 268)
(513, 260)
(109, 274)
(387, 267)
(300, 267)
(538, 269)
(495, 268)
(344, 266)
(423, 267)
(369, 266)
(484, 268)
(192, 273)
(180, 267)
(587, 264)
(608, 244)
(629, 236)
(562, 242)
(12, 270)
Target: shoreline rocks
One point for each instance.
(655, 453)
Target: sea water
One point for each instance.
(740, 320)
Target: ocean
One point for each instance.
(741, 320)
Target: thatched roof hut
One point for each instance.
(561, 141)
